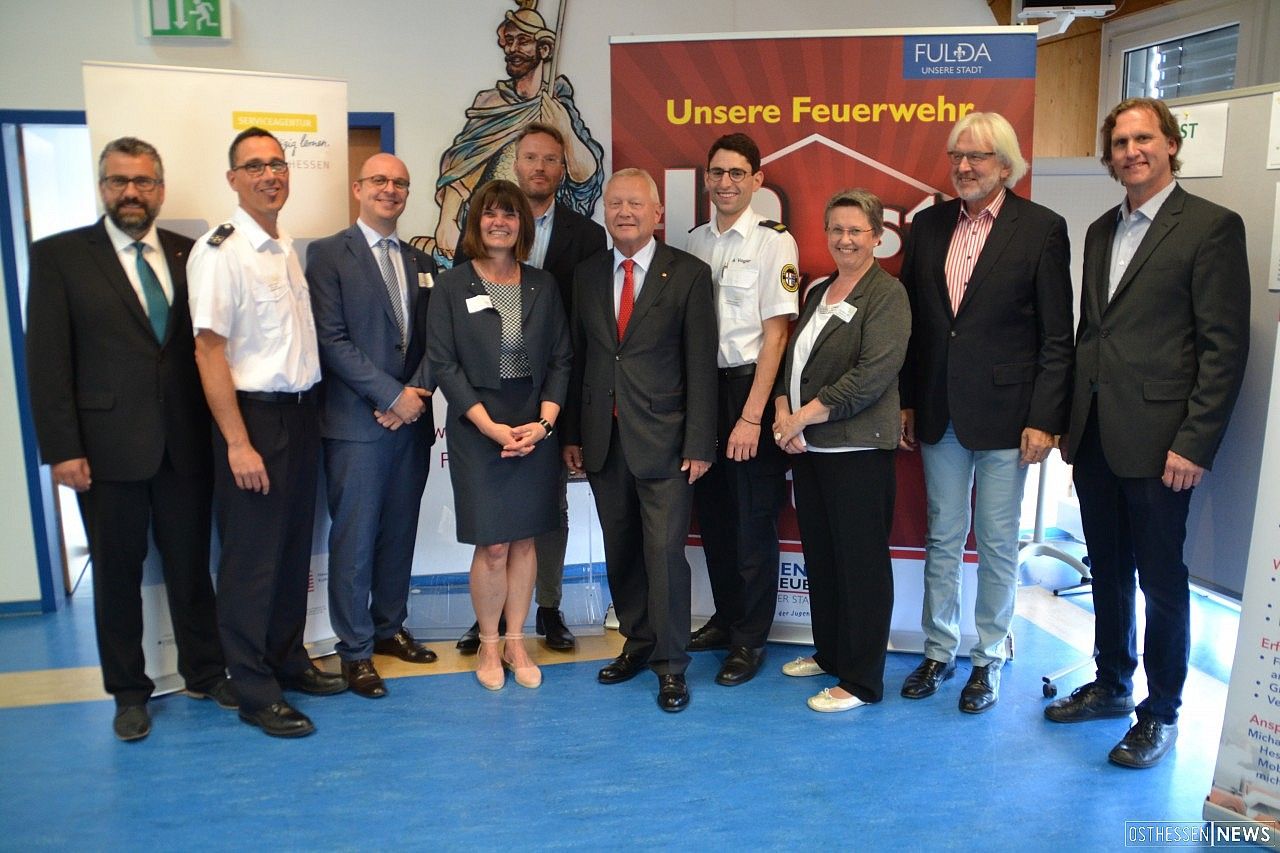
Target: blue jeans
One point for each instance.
(950, 471)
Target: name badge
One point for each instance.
(479, 303)
(425, 280)
(845, 311)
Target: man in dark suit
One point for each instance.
(369, 293)
(120, 416)
(641, 420)
(1160, 355)
(985, 388)
(562, 239)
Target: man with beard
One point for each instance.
(985, 388)
(486, 147)
(120, 416)
(562, 238)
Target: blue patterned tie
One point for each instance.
(157, 304)
(392, 284)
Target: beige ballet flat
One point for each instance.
(526, 676)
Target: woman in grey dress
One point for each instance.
(499, 349)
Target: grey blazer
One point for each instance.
(853, 368)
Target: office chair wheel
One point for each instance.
(1049, 689)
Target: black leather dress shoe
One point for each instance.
(132, 722)
(709, 637)
(550, 625)
(363, 678)
(622, 668)
(673, 693)
(1144, 744)
(982, 690)
(925, 679)
(279, 720)
(221, 692)
(740, 666)
(402, 645)
(469, 643)
(315, 681)
(1093, 701)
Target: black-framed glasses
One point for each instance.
(117, 183)
(975, 158)
(255, 168)
(380, 181)
(715, 173)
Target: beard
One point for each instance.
(519, 65)
(134, 221)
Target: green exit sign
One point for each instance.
(190, 18)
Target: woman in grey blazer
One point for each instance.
(837, 413)
(499, 349)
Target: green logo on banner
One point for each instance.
(187, 18)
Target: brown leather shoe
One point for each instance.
(402, 645)
(363, 679)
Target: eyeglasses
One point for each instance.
(380, 181)
(255, 168)
(975, 158)
(715, 173)
(838, 233)
(544, 159)
(117, 183)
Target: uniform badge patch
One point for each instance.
(790, 278)
(217, 238)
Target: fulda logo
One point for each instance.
(955, 53)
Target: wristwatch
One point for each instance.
(547, 426)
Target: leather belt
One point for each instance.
(737, 372)
(295, 398)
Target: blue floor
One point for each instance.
(443, 764)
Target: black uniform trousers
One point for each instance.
(117, 516)
(844, 504)
(266, 540)
(737, 505)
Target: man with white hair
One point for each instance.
(985, 388)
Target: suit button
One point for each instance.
(1106, 333)
(617, 358)
(953, 333)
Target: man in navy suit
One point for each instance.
(1161, 350)
(120, 416)
(985, 387)
(562, 238)
(369, 293)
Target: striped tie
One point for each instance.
(393, 285)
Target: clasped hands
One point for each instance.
(516, 441)
(406, 409)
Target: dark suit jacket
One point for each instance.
(574, 238)
(853, 367)
(102, 386)
(1167, 354)
(463, 345)
(662, 375)
(360, 349)
(1003, 361)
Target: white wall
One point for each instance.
(422, 61)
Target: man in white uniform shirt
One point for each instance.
(753, 262)
(256, 352)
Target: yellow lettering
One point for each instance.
(799, 107)
(683, 118)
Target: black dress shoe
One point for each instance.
(279, 720)
(1144, 744)
(1093, 701)
(925, 679)
(673, 693)
(982, 690)
(132, 722)
(402, 645)
(740, 666)
(709, 637)
(469, 643)
(622, 668)
(315, 681)
(550, 624)
(363, 679)
(221, 692)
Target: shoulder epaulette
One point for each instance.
(695, 228)
(773, 226)
(217, 238)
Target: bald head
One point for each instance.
(382, 190)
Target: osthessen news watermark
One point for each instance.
(1196, 833)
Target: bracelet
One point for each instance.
(743, 418)
(547, 426)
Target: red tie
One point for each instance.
(628, 299)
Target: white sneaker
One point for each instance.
(801, 667)
(825, 703)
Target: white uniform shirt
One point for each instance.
(153, 255)
(756, 276)
(251, 291)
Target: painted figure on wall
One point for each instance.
(485, 147)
